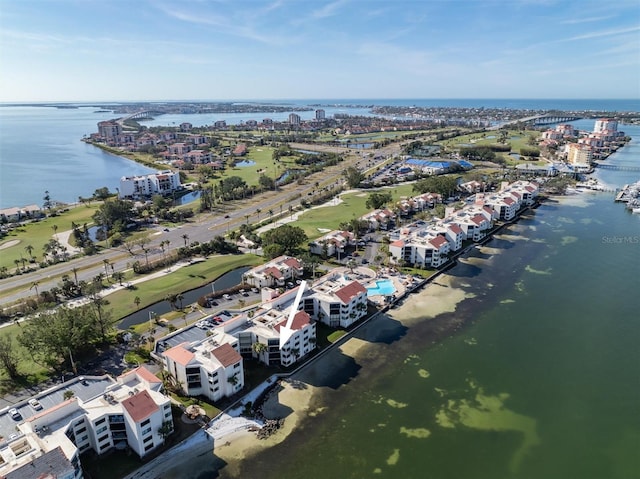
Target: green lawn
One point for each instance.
(32, 373)
(515, 138)
(184, 279)
(353, 206)
(39, 233)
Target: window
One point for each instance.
(145, 422)
(236, 366)
(150, 446)
(101, 430)
(146, 431)
(148, 438)
(83, 438)
(167, 414)
(102, 438)
(81, 430)
(167, 406)
(100, 421)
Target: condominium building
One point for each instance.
(579, 154)
(212, 367)
(95, 413)
(320, 114)
(109, 129)
(294, 119)
(163, 183)
(605, 125)
(275, 273)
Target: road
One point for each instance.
(202, 229)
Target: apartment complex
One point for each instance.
(211, 368)
(160, 183)
(94, 413)
(275, 273)
(429, 244)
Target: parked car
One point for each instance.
(35, 404)
(15, 415)
(226, 296)
(255, 290)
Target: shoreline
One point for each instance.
(292, 398)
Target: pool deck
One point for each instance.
(368, 277)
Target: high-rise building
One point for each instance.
(294, 119)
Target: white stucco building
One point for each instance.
(87, 413)
(162, 183)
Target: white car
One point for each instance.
(35, 404)
(226, 296)
(15, 415)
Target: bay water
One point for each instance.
(539, 381)
(41, 148)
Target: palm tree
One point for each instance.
(17, 263)
(55, 230)
(75, 274)
(179, 298)
(29, 249)
(34, 285)
(270, 212)
(137, 301)
(259, 348)
(258, 211)
(185, 237)
(106, 264)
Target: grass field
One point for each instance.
(122, 304)
(39, 233)
(184, 279)
(352, 206)
(32, 372)
(515, 138)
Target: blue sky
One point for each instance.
(85, 50)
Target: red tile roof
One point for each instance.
(145, 374)
(275, 272)
(140, 406)
(350, 291)
(292, 262)
(438, 241)
(456, 229)
(179, 354)
(398, 243)
(227, 355)
(300, 320)
(508, 201)
(478, 219)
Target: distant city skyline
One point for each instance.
(65, 50)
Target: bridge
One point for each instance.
(140, 115)
(618, 168)
(538, 120)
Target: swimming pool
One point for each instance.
(384, 287)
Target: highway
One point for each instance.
(202, 228)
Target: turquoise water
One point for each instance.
(384, 287)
